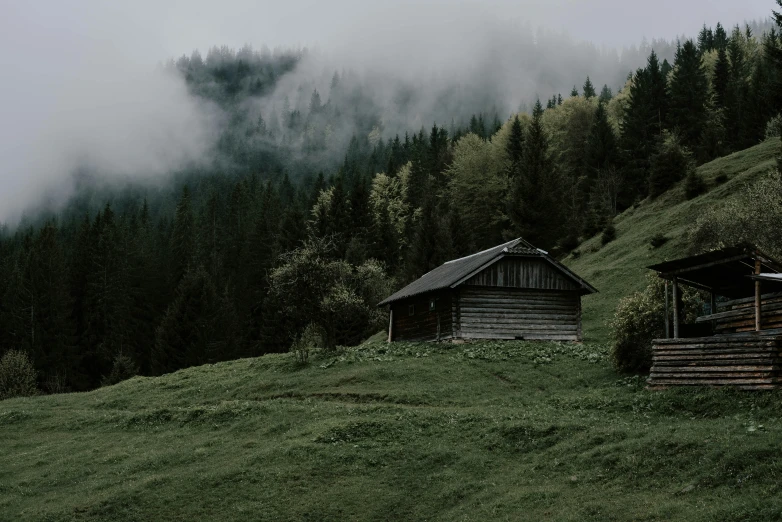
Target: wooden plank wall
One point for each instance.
(746, 361)
(770, 317)
(507, 313)
(423, 325)
(523, 272)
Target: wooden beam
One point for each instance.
(390, 324)
(757, 295)
(675, 308)
(667, 320)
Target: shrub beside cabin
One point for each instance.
(511, 291)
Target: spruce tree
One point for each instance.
(533, 212)
(721, 79)
(606, 94)
(574, 92)
(688, 96)
(589, 89)
(515, 148)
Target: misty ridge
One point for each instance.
(287, 110)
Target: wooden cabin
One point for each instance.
(511, 291)
(738, 339)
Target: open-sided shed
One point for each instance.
(511, 291)
(739, 341)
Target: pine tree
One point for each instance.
(641, 124)
(606, 94)
(721, 79)
(515, 148)
(199, 327)
(720, 37)
(574, 92)
(533, 212)
(183, 238)
(688, 94)
(589, 89)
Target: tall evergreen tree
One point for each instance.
(534, 211)
(688, 95)
(589, 89)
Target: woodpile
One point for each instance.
(746, 361)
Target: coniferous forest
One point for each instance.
(312, 209)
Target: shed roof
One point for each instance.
(452, 273)
(725, 271)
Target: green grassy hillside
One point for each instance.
(482, 431)
(619, 268)
(488, 431)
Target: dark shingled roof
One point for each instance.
(452, 272)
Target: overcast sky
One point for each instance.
(75, 73)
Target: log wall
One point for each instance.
(424, 324)
(508, 313)
(748, 361)
(739, 314)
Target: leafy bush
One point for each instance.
(774, 127)
(752, 216)
(671, 163)
(694, 185)
(639, 318)
(122, 369)
(17, 375)
(313, 286)
(312, 337)
(609, 234)
(658, 240)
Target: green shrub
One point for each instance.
(640, 317)
(658, 240)
(774, 127)
(17, 375)
(694, 185)
(123, 368)
(671, 163)
(609, 234)
(752, 215)
(312, 337)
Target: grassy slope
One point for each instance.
(618, 269)
(485, 431)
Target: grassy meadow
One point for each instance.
(483, 431)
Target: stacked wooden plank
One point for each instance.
(747, 361)
(507, 313)
(738, 315)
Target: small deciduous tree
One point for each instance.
(671, 163)
(17, 375)
(640, 318)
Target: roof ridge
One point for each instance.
(482, 251)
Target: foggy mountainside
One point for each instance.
(269, 197)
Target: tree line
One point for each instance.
(243, 257)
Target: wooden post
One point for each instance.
(713, 310)
(390, 324)
(675, 308)
(757, 297)
(667, 320)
